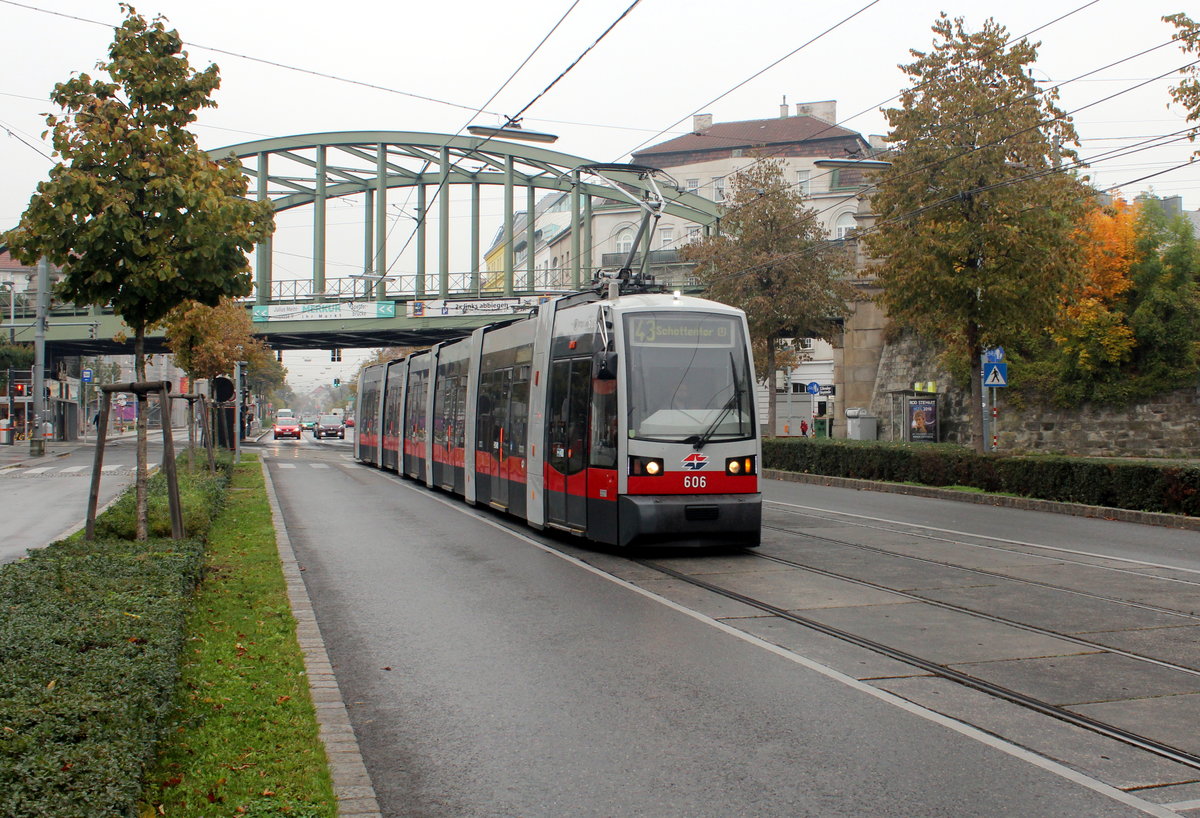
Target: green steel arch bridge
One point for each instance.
(372, 307)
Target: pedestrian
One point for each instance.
(96, 420)
(804, 428)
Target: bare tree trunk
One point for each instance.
(143, 407)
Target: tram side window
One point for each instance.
(415, 410)
(518, 420)
(577, 426)
(604, 425)
(483, 431)
(556, 421)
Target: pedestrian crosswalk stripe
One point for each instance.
(71, 469)
(319, 465)
(39, 470)
(287, 465)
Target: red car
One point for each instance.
(287, 427)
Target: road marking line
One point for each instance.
(319, 465)
(956, 533)
(73, 469)
(286, 465)
(39, 470)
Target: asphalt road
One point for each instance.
(488, 676)
(44, 499)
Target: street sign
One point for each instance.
(85, 375)
(994, 356)
(814, 388)
(995, 374)
(121, 399)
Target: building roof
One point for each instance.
(751, 134)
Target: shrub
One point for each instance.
(90, 638)
(201, 494)
(1139, 486)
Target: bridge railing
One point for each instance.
(403, 287)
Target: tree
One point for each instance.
(1091, 330)
(136, 215)
(1164, 307)
(1187, 93)
(773, 260)
(974, 236)
(209, 341)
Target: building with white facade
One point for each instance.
(826, 162)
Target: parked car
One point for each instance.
(329, 426)
(350, 423)
(286, 426)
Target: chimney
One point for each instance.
(783, 108)
(701, 122)
(826, 110)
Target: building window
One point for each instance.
(667, 235)
(718, 184)
(625, 240)
(692, 185)
(844, 226)
(803, 186)
(693, 235)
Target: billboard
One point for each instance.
(922, 420)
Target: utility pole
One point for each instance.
(37, 446)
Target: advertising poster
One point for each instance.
(922, 420)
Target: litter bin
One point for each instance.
(6, 431)
(860, 425)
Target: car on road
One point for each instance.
(349, 423)
(329, 426)
(308, 422)
(286, 426)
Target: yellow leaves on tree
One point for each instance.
(1092, 331)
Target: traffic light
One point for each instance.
(20, 390)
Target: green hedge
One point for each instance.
(90, 639)
(1139, 485)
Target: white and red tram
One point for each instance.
(626, 420)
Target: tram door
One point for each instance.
(567, 442)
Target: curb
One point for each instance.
(351, 781)
(1002, 500)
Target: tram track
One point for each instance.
(998, 691)
(1008, 577)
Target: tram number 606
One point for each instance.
(694, 481)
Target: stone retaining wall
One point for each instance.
(1166, 426)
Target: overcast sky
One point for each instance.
(435, 65)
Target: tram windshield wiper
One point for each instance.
(699, 440)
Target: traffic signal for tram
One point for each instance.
(337, 381)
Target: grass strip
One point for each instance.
(244, 740)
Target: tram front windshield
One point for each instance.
(689, 377)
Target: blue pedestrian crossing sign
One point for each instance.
(995, 374)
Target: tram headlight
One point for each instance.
(645, 466)
(741, 465)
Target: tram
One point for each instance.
(623, 418)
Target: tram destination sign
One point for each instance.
(344, 310)
(681, 330)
